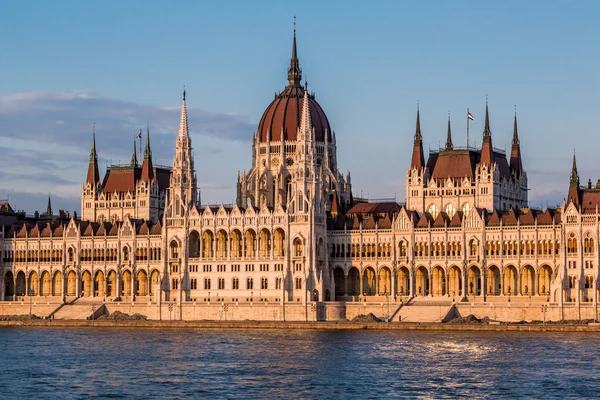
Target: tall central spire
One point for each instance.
(294, 73)
(183, 122)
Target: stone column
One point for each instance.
(360, 284)
(345, 285)
(133, 284)
(119, 284)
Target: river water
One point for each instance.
(54, 363)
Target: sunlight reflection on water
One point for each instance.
(80, 363)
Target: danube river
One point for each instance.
(70, 363)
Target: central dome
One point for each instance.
(281, 119)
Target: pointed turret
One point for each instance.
(93, 176)
(134, 161)
(418, 159)
(516, 165)
(487, 155)
(294, 72)
(305, 120)
(147, 167)
(449, 145)
(183, 122)
(49, 207)
(573, 196)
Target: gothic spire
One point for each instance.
(49, 207)
(487, 155)
(183, 122)
(418, 159)
(486, 129)
(147, 151)
(93, 176)
(418, 129)
(516, 165)
(449, 145)
(134, 161)
(305, 120)
(147, 167)
(573, 196)
(294, 72)
(574, 175)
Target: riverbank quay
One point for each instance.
(302, 325)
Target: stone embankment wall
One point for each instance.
(331, 311)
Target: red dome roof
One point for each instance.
(282, 117)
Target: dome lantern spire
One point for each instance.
(294, 73)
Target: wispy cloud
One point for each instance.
(46, 139)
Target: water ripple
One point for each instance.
(155, 364)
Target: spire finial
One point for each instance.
(147, 151)
(49, 207)
(183, 92)
(418, 127)
(93, 154)
(486, 129)
(574, 175)
(515, 140)
(294, 72)
(449, 145)
(134, 162)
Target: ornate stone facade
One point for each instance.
(297, 236)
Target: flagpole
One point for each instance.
(467, 128)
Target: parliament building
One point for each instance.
(296, 236)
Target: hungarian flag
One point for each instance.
(470, 116)
(139, 136)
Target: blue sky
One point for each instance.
(67, 64)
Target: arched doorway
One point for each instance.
(194, 241)
(57, 284)
(474, 281)
(71, 284)
(403, 281)
(142, 283)
(422, 282)
(154, 282)
(46, 282)
(439, 282)
(86, 284)
(353, 282)
(510, 280)
(455, 282)
(385, 281)
(111, 284)
(20, 289)
(9, 285)
(544, 279)
(34, 284)
(493, 281)
(126, 283)
(369, 282)
(527, 281)
(99, 284)
(339, 280)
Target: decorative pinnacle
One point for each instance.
(294, 72)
